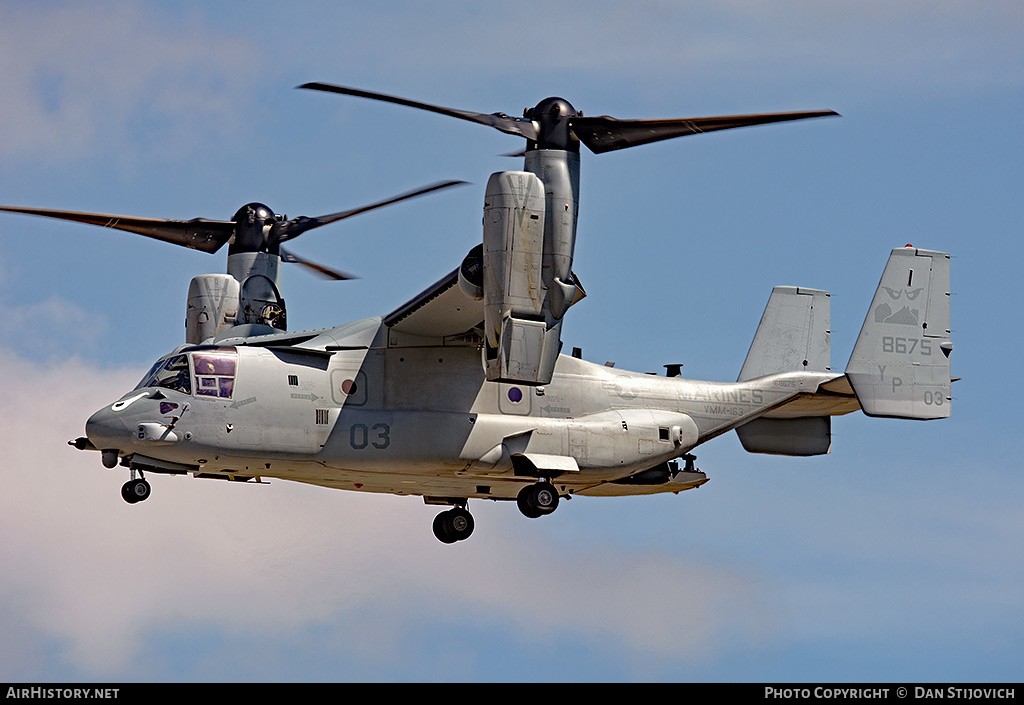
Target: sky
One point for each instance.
(896, 558)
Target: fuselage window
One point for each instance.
(215, 374)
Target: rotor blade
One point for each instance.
(197, 234)
(605, 134)
(499, 121)
(290, 229)
(319, 269)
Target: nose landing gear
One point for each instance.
(136, 489)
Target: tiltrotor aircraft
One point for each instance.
(462, 393)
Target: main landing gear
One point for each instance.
(453, 525)
(456, 524)
(136, 489)
(537, 500)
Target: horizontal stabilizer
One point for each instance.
(810, 435)
(900, 364)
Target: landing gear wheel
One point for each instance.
(537, 500)
(135, 491)
(459, 523)
(441, 530)
(453, 525)
(524, 505)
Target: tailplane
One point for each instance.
(900, 365)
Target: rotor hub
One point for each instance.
(554, 117)
(549, 108)
(250, 220)
(252, 211)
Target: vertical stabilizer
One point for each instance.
(793, 335)
(900, 364)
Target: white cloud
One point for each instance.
(78, 78)
(55, 328)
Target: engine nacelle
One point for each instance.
(260, 300)
(521, 334)
(471, 274)
(212, 306)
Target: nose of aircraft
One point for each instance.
(106, 429)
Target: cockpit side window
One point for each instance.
(215, 374)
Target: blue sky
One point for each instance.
(896, 558)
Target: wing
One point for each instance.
(442, 310)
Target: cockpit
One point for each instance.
(207, 371)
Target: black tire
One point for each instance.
(126, 493)
(135, 491)
(441, 529)
(537, 500)
(453, 525)
(523, 501)
(545, 497)
(459, 523)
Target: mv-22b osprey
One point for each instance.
(462, 392)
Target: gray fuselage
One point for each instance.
(348, 410)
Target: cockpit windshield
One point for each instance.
(170, 373)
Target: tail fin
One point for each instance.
(793, 336)
(900, 364)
